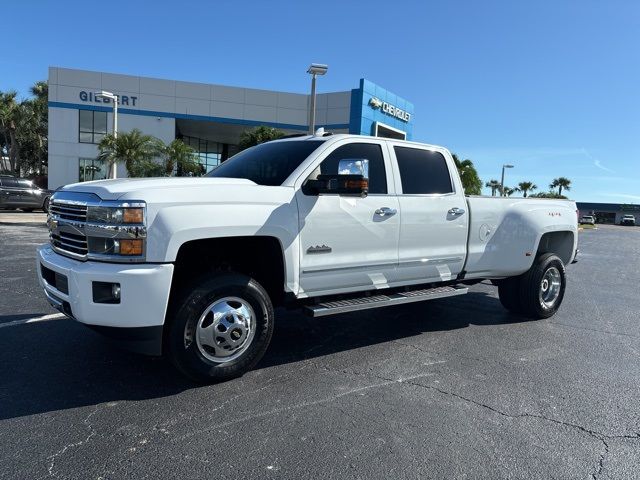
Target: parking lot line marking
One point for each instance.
(43, 318)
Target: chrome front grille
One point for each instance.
(68, 237)
(69, 211)
(82, 226)
(70, 242)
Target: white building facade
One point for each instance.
(208, 117)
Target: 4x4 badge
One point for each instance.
(319, 249)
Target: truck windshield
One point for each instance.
(267, 164)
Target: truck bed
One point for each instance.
(504, 232)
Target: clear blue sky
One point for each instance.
(551, 86)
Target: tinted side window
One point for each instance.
(25, 184)
(423, 171)
(370, 151)
(9, 182)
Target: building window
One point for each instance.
(92, 169)
(93, 126)
(209, 153)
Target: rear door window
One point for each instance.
(423, 171)
(9, 182)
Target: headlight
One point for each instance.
(116, 246)
(85, 227)
(115, 215)
(116, 231)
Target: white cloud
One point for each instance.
(597, 162)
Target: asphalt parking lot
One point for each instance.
(453, 388)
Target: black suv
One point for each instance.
(23, 194)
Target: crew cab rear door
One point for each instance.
(347, 242)
(434, 217)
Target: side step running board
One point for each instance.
(375, 301)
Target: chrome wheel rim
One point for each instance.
(225, 330)
(550, 287)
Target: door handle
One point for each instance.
(386, 211)
(456, 211)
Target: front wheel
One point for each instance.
(222, 327)
(45, 205)
(542, 287)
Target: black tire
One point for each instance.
(532, 287)
(509, 293)
(45, 205)
(183, 349)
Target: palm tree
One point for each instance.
(40, 90)
(560, 183)
(23, 130)
(508, 191)
(250, 138)
(181, 157)
(9, 117)
(471, 182)
(525, 187)
(494, 185)
(135, 149)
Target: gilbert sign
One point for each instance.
(91, 97)
(389, 109)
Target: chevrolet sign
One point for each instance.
(389, 109)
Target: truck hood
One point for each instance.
(142, 188)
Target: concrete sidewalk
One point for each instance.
(22, 217)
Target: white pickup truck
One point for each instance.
(193, 267)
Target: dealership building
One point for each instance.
(208, 117)
(609, 212)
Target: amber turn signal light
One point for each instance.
(131, 247)
(362, 184)
(133, 215)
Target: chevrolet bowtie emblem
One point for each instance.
(52, 223)
(375, 102)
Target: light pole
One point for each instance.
(315, 69)
(506, 165)
(114, 99)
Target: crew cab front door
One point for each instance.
(435, 220)
(30, 195)
(349, 242)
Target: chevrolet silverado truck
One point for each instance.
(193, 267)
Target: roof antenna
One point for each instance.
(319, 132)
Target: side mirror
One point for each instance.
(352, 179)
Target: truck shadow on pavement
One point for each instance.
(59, 365)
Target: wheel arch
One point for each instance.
(260, 257)
(561, 243)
